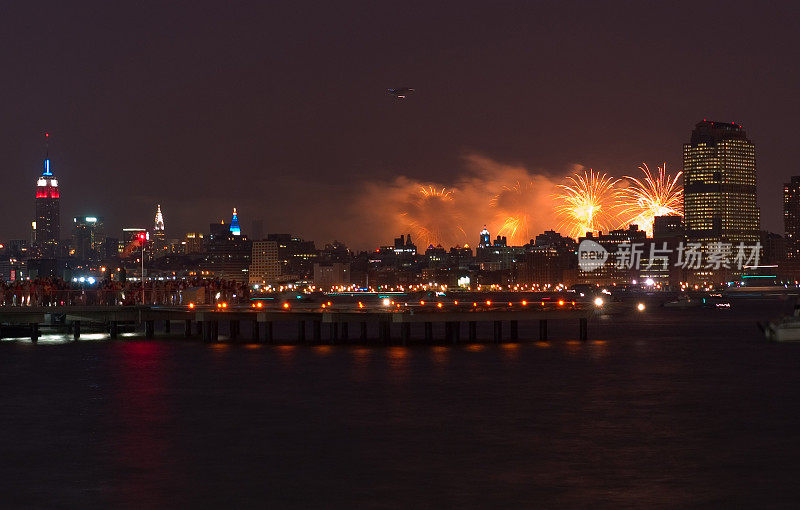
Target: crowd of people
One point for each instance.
(58, 292)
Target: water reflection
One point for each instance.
(323, 350)
(511, 350)
(286, 354)
(362, 357)
(141, 415)
(440, 354)
(398, 361)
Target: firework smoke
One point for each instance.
(433, 217)
(514, 206)
(509, 199)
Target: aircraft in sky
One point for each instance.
(401, 93)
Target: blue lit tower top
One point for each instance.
(485, 237)
(235, 230)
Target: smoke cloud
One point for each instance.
(509, 200)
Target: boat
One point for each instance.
(786, 329)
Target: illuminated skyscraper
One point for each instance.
(486, 238)
(47, 220)
(235, 230)
(159, 221)
(159, 246)
(88, 237)
(719, 172)
(791, 218)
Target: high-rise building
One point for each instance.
(234, 229)
(194, 243)
(719, 173)
(129, 243)
(88, 237)
(265, 265)
(791, 218)
(668, 226)
(160, 245)
(331, 274)
(47, 221)
(158, 226)
(486, 238)
(229, 257)
(297, 256)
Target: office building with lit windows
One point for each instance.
(265, 265)
(88, 237)
(719, 173)
(791, 218)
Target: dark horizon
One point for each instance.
(282, 112)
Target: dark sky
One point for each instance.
(280, 108)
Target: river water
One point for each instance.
(660, 409)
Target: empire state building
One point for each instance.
(47, 215)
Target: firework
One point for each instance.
(651, 196)
(433, 217)
(515, 209)
(587, 203)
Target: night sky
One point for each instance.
(280, 109)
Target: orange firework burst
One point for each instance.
(654, 195)
(432, 216)
(514, 205)
(588, 203)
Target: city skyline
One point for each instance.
(519, 211)
(154, 126)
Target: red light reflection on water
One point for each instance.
(139, 424)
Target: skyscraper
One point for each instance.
(719, 172)
(88, 237)
(791, 218)
(159, 222)
(47, 214)
(234, 229)
(159, 246)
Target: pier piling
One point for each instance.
(429, 332)
(255, 333)
(405, 332)
(498, 331)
